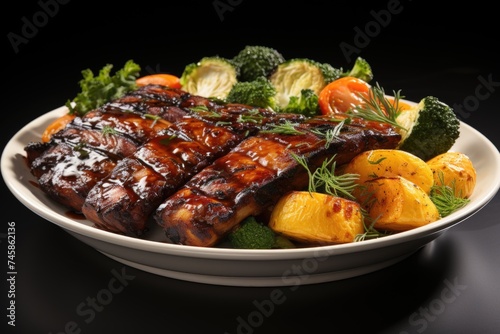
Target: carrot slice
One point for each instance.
(342, 94)
(164, 79)
(56, 125)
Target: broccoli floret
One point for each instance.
(431, 128)
(258, 93)
(211, 77)
(361, 69)
(307, 103)
(251, 234)
(294, 75)
(257, 61)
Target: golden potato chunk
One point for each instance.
(316, 218)
(456, 170)
(397, 204)
(390, 163)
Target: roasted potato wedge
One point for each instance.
(390, 163)
(316, 218)
(455, 170)
(396, 204)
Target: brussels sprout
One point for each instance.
(291, 77)
(211, 77)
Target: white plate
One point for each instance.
(238, 267)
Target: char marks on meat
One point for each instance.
(197, 166)
(90, 146)
(123, 201)
(254, 175)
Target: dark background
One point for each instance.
(415, 47)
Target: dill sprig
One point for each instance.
(377, 107)
(324, 179)
(370, 231)
(287, 128)
(443, 196)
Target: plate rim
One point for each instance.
(230, 253)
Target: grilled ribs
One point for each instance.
(198, 167)
(123, 201)
(255, 174)
(115, 164)
(88, 148)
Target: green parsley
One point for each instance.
(97, 90)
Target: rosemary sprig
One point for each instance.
(329, 134)
(287, 128)
(253, 116)
(204, 109)
(443, 196)
(377, 107)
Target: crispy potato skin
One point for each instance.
(397, 204)
(315, 218)
(457, 171)
(373, 164)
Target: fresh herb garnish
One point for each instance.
(253, 116)
(324, 179)
(97, 90)
(82, 152)
(287, 128)
(204, 109)
(443, 196)
(167, 140)
(377, 107)
(108, 130)
(370, 231)
(329, 134)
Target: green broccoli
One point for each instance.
(430, 128)
(361, 69)
(294, 75)
(251, 234)
(307, 103)
(257, 61)
(211, 77)
(258, 93)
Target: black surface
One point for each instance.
(451, 285)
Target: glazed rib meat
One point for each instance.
(196, 166)
(123, 201)
(88, 148)
(70, 164)
(254, 175)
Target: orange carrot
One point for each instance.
(164, 79)
(342, 94)
(56, 125)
